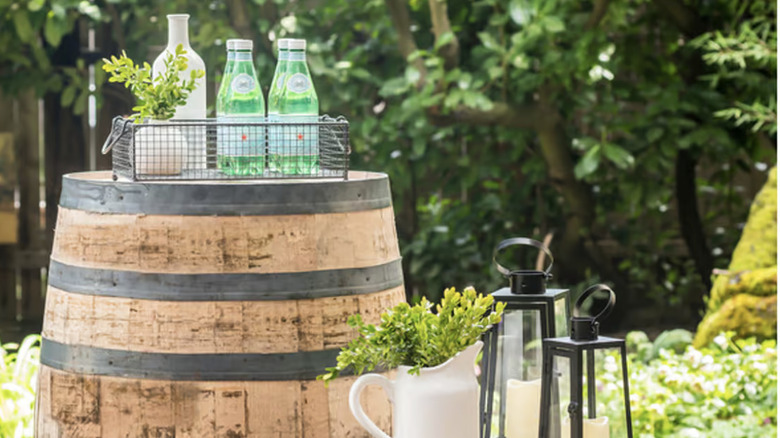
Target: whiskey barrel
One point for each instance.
(206, 309)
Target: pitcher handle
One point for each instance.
(357, 409)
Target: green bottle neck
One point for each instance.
(243, 55)
(296, 55)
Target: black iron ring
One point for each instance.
(588, 293)
(521, 241)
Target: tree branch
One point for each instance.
(682, 16)
(441, 26)
(403, 28)
(599, 11)
(501, 114)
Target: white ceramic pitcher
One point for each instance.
(440, 402)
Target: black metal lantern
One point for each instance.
(512, 359)
(562, 396)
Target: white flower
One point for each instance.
(760, 366)
(721, 341)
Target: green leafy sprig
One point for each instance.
(157, 97)
(415, 336)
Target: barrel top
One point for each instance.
(98, 192)
(106, 176)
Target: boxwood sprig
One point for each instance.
(416, 336)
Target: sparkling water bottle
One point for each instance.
(226, 76)
(275, 143)
(242, 150)
(298, 104)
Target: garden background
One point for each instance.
(633, 136)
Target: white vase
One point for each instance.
(195, 107)
(159, 148)
(440, 402)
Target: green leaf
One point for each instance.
(394, 87)
(443, 40)
(614, 153)
(35, 5)
(520, 11)
(66, 99)
(489, 41)
(588, 163)
(412, 75)
(55, 28)
(23, 27)
(553, 24)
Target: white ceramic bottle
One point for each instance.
(195, 107)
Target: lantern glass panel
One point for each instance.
(518, 374)
(561, 316)
(604, 391)
(561, 398)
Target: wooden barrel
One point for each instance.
(206, 309)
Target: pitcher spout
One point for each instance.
(466, 359)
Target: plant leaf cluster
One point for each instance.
(157, 97)
(417, 337)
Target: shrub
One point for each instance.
(18, 376)
(728, 389)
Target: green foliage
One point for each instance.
(746, 55)
(158, 97)
(416, 336)
(18, 376)
(628, 93)
(728, 389)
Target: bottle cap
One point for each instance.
(242, 44)
(296, 44)
(283, 43)
(231, 44)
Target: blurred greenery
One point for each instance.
(635, 132)
(18, 379)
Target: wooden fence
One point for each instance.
(39, 142)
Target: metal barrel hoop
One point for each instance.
(596, 288)
(521, 241)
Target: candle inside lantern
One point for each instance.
(522, 408)
(591, 428)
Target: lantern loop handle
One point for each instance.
(596, 288)
(521, 241)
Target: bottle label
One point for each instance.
(296, 56)
(243, 83)
(298, 83)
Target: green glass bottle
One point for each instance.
(299, 152)
(223, 86)
(274, 95)
(241, 150)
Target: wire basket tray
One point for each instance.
(209, 149)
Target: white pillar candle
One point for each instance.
(591, 428)
(522, 408)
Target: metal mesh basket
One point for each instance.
(240, 149)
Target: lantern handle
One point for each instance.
(521, 241)
(587, 294)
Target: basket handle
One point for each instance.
(113, 137)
